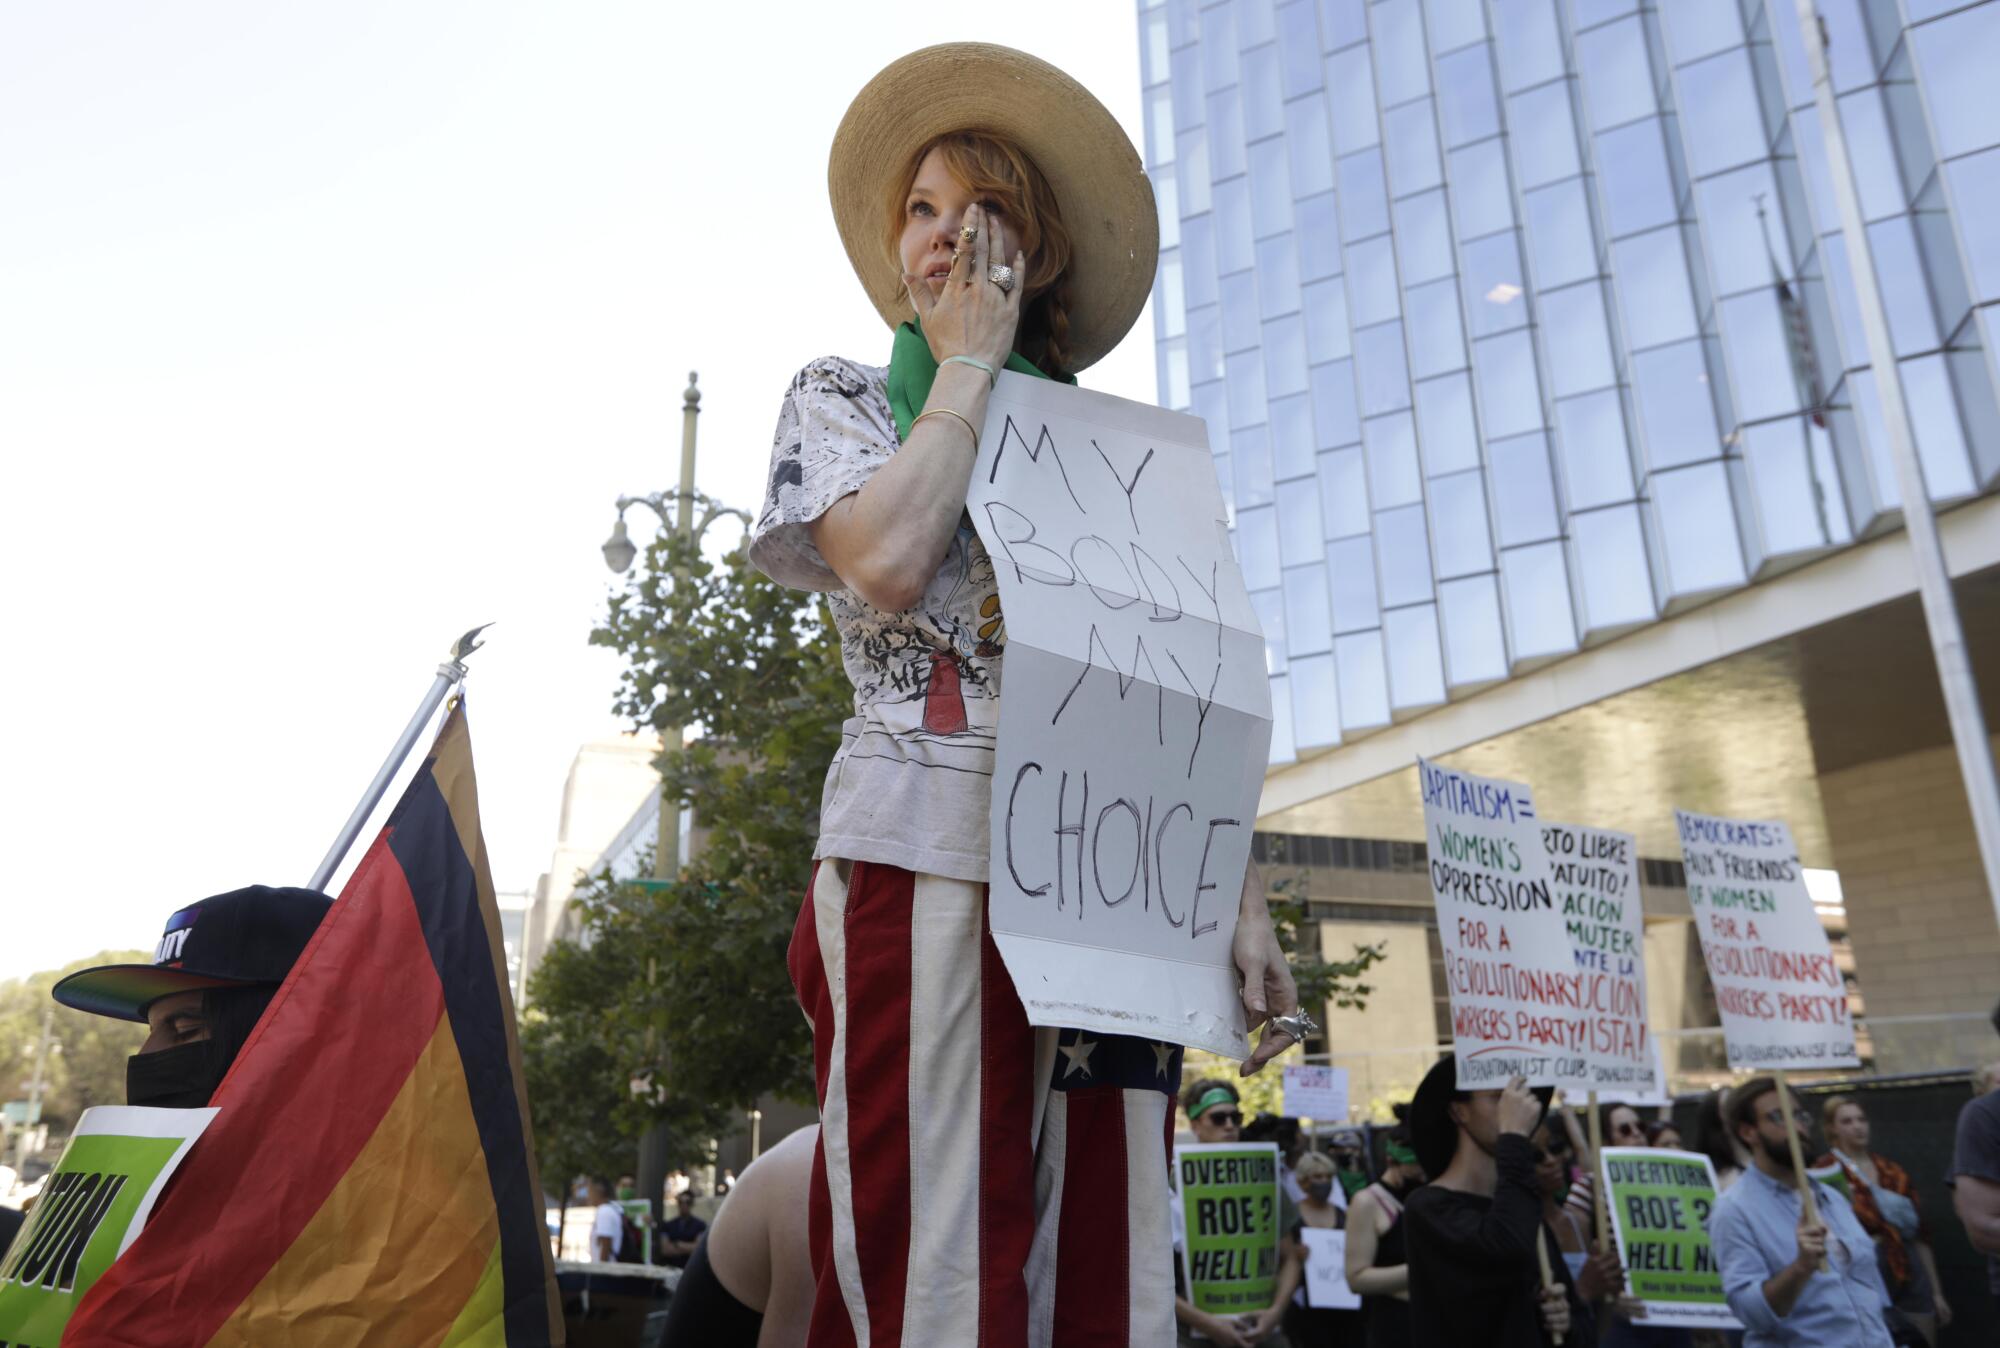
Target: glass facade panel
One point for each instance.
(1239, 314)
(1318, 237)
(1698, 28)
(1270, 608)
(1326, 320)
(1250, 456)
(1975, 190)
(1579, 343)
(1675, 406)
(1437, 338)
(1416, 669)
(1458, 524)
(1697, 527)
(1277, 276)
(1453, 23)
(1561, 245)
(1544, 135)
(1633, 180)
(1394, 476)
(1350, 571)
(1336, 415)
(1906, 292)
(1350, 82)
(1611, 570)
(1528, 39)
(1509, 397)
(1270, 188)
(1257, 546)
(1722, 119)
(1760, 357)
(1492, 280)
(1263, 94)
(1364, 198)
(1535, 582)
(1343, 493)
(1308, 624)
(1292, 452)
(1409, 138)
(1380, 369)
(1315, 702)
(1235, 240)
(1401, 68)
(1298, 47)
(1479, 191)
(1618, 83)
(1597, 464)
(1364, 690)
(1371, 282)
(1738, 243)
(1475, 645)
(1285, 356)
(1423, 238)
(1343, 22)
(1244, 373)
(1445, 432)
(1653, 293)
(1468, 104)
(1940, 436)
(1404, 556)
(1225, 133)
(1955, 59)
(1780, 470)
(1524, 495)
(1299, 538)
(1309, 143)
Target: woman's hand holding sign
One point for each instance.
(1268, 989)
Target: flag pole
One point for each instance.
(452, 671)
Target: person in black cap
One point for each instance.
(1475, 1278)
(217, 966)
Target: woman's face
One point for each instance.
(1551, 1170)
(1219, 1123)
(933, 213)
(1669, 1139)
(1850, 1129)
(1623, 1129)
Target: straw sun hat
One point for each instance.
(1095, 173)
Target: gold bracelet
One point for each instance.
(947, 412)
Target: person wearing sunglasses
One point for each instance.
(1215, 1114)
(1789, 1278)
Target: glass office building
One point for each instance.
(1521, 324)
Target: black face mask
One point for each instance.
(173, 1078)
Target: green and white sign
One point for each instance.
(1228, 1207)
(1660, 1201)
(640, 1213)
(90, 1211)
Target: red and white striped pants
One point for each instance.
(979, 1183)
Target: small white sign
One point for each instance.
(1317, 1093)
(1136, 723)
(1326, 1271)
(1783, 1000)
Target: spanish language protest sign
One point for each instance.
(1659, 1202)
(1326, 1271)
(93, 1205)
(1227, 1209)
(1595, 873)
(1515, 1008)
(1136, 724)
(1783, 1000)
(1315, 1092)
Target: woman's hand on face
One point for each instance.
(971, 316)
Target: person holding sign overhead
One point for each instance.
(998, 217)
(1473, 1233)
(1790, 1279)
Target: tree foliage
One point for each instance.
(685, 983)
(87, 1066)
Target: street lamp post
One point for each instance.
(619, 554)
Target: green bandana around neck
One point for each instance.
(1215, 1095)
(912, 371)
(1401, 1154)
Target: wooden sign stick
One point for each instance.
(1798, 1156)
(1548, 1271)
(1599, 1198)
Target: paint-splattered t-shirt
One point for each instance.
(912, 782)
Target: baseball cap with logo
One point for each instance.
(244, 938)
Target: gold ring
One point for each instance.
(969, 233)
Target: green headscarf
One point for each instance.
(912, 371)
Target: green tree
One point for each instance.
(704, 1004)
(87, 1066)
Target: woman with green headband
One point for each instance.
(998, 218)
(1376, 1265)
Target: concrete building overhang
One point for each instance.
(1734, 708)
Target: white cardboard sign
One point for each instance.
(1783, 1000)
(1317, 1093)
(1596, 876)
(1507, 957)
(1326, 1270)
(1136, 722)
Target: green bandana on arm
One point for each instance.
(912, 371)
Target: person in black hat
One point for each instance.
(1475, 1278)
(217, 966)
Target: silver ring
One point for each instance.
(1297, 1026)
(1002, 277)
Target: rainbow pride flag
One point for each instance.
(370, 1178)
